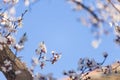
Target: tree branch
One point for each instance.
(6, 53)
(114, 6)
(99, 74)
(87, 9)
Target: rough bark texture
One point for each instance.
(6, 53)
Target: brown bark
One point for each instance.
(6, 53)
(99, 74)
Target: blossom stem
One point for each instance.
(87, 9)
(40, 56)
(102, 62)
(24, 13)
(114, 6)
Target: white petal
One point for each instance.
(3, 69)
(95, 43)
(18, 72)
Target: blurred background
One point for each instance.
(55, 23)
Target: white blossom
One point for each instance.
(95, 43)
(15, 1)
(6, 1)
(18, 47)
(3, 39)
(18, 72)
(111, 24)
(12, 11)
(3, 21)
(38, 51)
(78, 0)
(5, 15)
(9, 69)
(3, 69)
(43, 47)
(11, 40)
(7, 66)
(35, 61)
(1, 47)
(27, 2)
(53, 52)
(7, 62)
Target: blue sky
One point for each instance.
(56, 23)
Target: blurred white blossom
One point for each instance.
(3, 69)
(95, 43)
(7, 66)
(15, 1)
(43, 48)
(35, 61)
(11, 40)
(18, 47)
(27, 2)
(3, 39)
(12, 11)
(18, 72)
(1, 47)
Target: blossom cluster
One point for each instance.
(13, 2)
(7, 66)
(101, 18)
(44, 77)
(71, 74)
(86, 65)
(41, 51)
(101, 72)
(9, 24)
(104, 9)
(41, 60)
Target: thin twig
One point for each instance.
(40, 56)
(114, 6)
(24, 13)
(87, 9)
